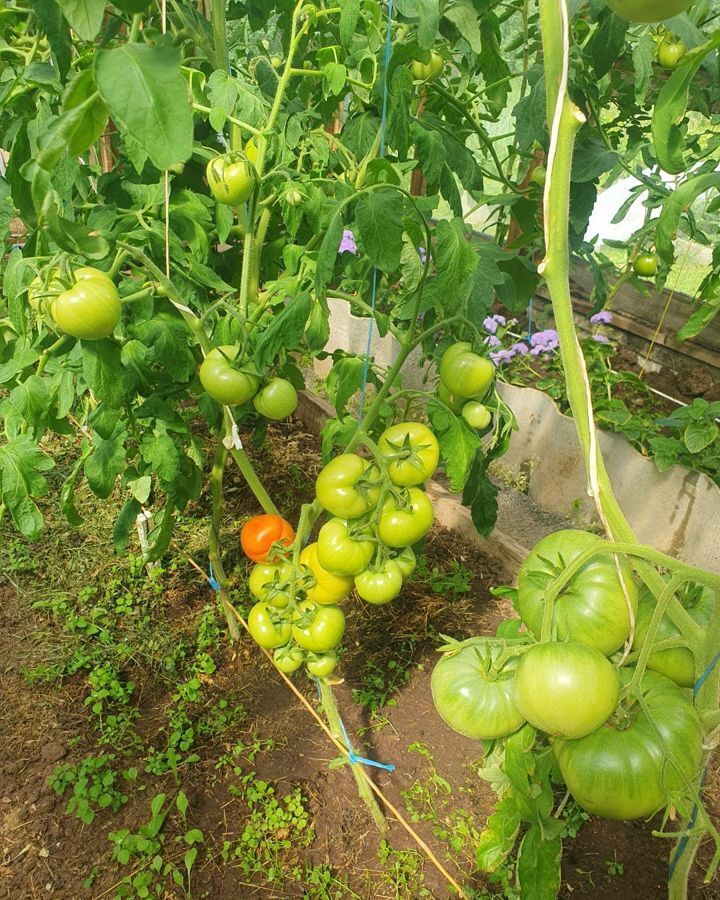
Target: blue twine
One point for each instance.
(214, 583)
(693, 817)
(352, 755)
(383, 135)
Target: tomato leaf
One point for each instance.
(285, 330)
(124, 523)
(105, 463)
(103, 371)
(480, 496)
(349, 16)
(84, 16)
(499, 836)
(673, 208)
(379, 217)
(456, 262)
(345, 379)
(538, 866)
(21, 480)
(459, 443)
(74, 237)
(144, 89)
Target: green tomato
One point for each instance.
(328, 588)
(464, 373)
(648, 10)
(289, 659)
(646, 265)
(403, 525)
(472, 695)
(222, 381)
(44, 288)
(380, 585)
(592, 609)
(566, 689)
(321, 664)
(454, 403)
(342, 552)
(231, 178)
(428, 71)
(271, 582)
(476, 415)
(677, 663)
(538, 176)
(670, 53)
(348, 486)
(318, 628)
(277, 400)
(412, 451)
(622, 770)
(407, 561)
(90, 309)
(265, 629)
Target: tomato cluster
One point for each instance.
(465, 381)
(623, 754)
(229, 377)
(377, 511)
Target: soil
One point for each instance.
(46, 853)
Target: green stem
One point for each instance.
(216, 494)
(135, 28)
(329, 705)
(46, 354)
(248, 472)
(198, 107)
(217, 14)
(138, 295)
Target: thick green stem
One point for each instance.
(217, 15)
(327, 699)
(216, 495)
(46, 354)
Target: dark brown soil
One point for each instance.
(46, 853)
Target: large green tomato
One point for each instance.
(289, 658)
(90, 309)
(592, 609)
(677, 663)
(223, 381)
(271, 582)
(403, 525)
(456, 404)
(412, 451)
(348, 486)
(464, 373)
(266, 629)
(380, 585)
(648, 10)
(318, 628)
(472, 696)
(342, 552)
(428, 71)
(622, 770)
(44, 287)
(328, 588)
(321, 664)
(277, 400)
(231, 179)
(566, 689)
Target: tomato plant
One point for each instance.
(566, 689)
(260, 534)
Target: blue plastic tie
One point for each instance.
(383, 135)
(706, 674)
(352, 755)
(214, 583)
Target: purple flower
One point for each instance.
(601, 338)
(422, 253)
(502, 356)
(544, 341)
(493, 341)
(520, 348)
(491, 323)
(347, 244)
(604, 317)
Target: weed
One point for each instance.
(452, 582)
(95, 786)
(380, 680)
(404, 871)
(614, 868)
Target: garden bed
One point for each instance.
(236, 729)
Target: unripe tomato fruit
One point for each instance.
(341, 553)
(348, 486)
(260, 533)
(329, 588)
(646, 265)
(566, 690)
(476, 415)
(428, 71)
(265, 580)
(231, 179)
(403, 526)
(622, 769)
(464, 373)
(223, 381)
(407, 562)
(44, 288)
(648, 10)
(277, 400)
(321, 664)
(471, 696)
(539, 176)
(380, 585)
(455, 403)
(669, 54)
(90, 309)
(289, 659)
(412, 450)
(264, 630)
(318, 628)
(251, 151)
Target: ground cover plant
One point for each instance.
(193, 186)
